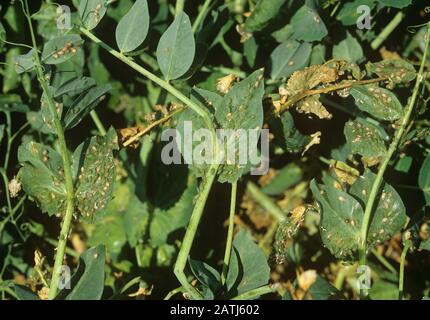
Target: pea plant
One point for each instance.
(273, 149)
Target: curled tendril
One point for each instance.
(427, 9)
(413, 29)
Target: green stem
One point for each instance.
(383, 261)
(265, 201)
(65, 228)
(387, 30)
(179, 6)
(173, 292)
(9, 141)
(227, 253)
(224, 70)
(68, 250)
(98, 123)
(201, 15)
(191, 231)
(402, 268)
(391, 150)
(6, 189)
(253, 294)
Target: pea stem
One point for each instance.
(201, 15)
(265, 201)
(383, 167)
(389, 28)
(228, 246)
(402, 268)
(67, 220)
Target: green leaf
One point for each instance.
(397, 71)
(233, 271)
(96, 67)
(88, 281)
(2, 36)
(165, 222)
(395, 3)
(308, 25)
(389, 217)
(263, 13)
(24, 62)
(241, 108)
(2, 126)
(109, 231)
(42, 177)
(47, 117)
(425, 245)
(91, 12)
(207, 275)
(12, 103)
(255, 271)
(285, 178)
(250, 48)
(287, 136)
(10, 77)
(24, 293)
(289, 57)
(176, 48)
(404, 164)
(386, 287)
(84, 104)
(322, 290)
(136, 220)
(207, 100)
(341, 218)
(94, 170)
(74, 86)
(364, 139)
(318, 55)
(61, 49)
(378, 102)
(15, 18)
(109, 227)
(348, 49)
(424, 179)
(133, 27)
(348, 14)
